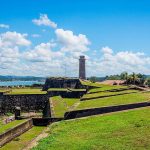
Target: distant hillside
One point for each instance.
(21, 78)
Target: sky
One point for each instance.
(46, 37)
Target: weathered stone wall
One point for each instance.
(1, 99)
(62, 83)
(102, 110)
(14, 132)
(26, 102)
(66, 94)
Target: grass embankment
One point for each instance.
(94, 95)
(61, 105)
(117, 131)
(103, 88)
(89, 83)
(21, 142)
(6, 127)
(3, 90)
(25, 91)
(115, 100)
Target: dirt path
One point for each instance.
(74, 106)
(52, 108)
(34, 142)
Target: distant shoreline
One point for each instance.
(19, 83)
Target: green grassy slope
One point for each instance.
(21, 142)
(107, 87)
(5, 127)
(115, 100)
(117, 131)
(61, 105)
(93, 95)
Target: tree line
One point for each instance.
(133, 78)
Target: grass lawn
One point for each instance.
(61, 105)
(89, 83)
(115, 100)
(21, 142)
(128, 130)
(107, 87)
(70, 101)
(90, 95)
(5, 127)
(3, 90)
(26, 91)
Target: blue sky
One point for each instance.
(117, 32)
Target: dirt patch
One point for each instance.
(73, 107)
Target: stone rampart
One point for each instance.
(14, 132)
(27, 102)
(102, 110)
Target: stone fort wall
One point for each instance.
(14, 132)
(62, 83)
(26, 102)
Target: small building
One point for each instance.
(113, 82)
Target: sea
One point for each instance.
(16, 83)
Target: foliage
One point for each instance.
(136, 79)
(96, 79)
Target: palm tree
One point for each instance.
(134, 77)
(126, 76)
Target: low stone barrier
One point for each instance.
(102, 110)
(45, 121)
(67, 94)
(14, 132)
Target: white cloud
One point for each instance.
(42, 53)
(13, 39)
(4, 26)
(35, 35)
(10, 43)
(114, 63)
(75, 44)
(107, 50)
(44, 20)
(60, 56)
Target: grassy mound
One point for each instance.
(61, 105)
(103, 88)
(117, 131)
(101, 94)
(115, 100)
